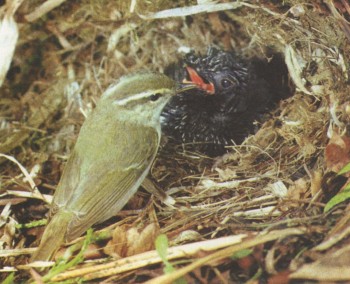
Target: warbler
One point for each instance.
(221, 111)
(113, 154)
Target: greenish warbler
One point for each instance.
(112, 156)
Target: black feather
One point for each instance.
(210, 122)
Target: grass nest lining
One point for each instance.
(256, 213)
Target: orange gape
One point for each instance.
(197, 80)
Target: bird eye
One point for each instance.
(225, 83)
(155, 97)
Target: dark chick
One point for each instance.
(222, 110)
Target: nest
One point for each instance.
(255, 213)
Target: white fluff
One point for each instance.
(8, 40)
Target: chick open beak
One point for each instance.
(196, 79)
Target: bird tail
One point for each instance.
(53, 236)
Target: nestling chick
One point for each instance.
(221, 111)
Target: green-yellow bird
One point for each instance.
(113, 154)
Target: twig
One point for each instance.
(224, 253)
(43, 9)
(35, 191)
(148, 258)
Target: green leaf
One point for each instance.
(242, 253)
(340, 197)
(345, 169)
(168, 268)
(162, 247)
(10, 279)
(31, 224)
(62, 264)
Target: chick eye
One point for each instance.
(225, 83)
(155, 97)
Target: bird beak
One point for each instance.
(185, 86)
(196, 79)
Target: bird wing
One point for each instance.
(98, 180)
(115, 189)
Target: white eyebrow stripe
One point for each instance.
(123, 102)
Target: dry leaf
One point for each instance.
(298, 190)
(333, 266)
(337, 152)
(128, 241)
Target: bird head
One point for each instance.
(141, 96)
(221, 78)
(217, 73)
